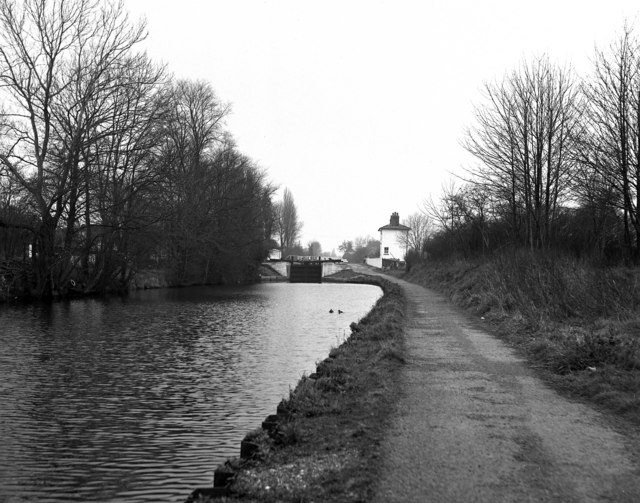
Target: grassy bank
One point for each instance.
(324, 443)
(577, 323)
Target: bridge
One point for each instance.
(302, 269)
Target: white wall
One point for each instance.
(333, 267)
(374, 262)
(391, 238)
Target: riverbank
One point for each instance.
(324, 444)
(144, 279)
(577, 324)
(15, 287)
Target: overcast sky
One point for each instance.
(359, 106)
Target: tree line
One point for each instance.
(360, 248)
(558, 163)
(109, 165)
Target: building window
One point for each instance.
(386, 250)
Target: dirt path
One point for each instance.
(475, 424)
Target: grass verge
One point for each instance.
(323, 445)
(577, 323)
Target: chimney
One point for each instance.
(395, 219)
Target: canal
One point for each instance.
(139, 398)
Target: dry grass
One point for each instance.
(577, 322)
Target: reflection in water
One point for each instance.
(138, 399)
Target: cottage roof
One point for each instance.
(394, 224)
(398, 227)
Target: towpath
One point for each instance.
(474, 423)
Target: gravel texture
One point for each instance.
(474, 423)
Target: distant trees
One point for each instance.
(462, 218)
(346, 247)
(360, 248)
(112, 165)
(420, 230)
(559, 163)
(314, 249)
(287, 226)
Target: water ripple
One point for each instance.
(138, 399)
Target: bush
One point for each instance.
(573, 319)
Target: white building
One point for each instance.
(275, 254)
(393, 244)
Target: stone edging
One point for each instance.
(224, 474)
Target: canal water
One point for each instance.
(139, 398)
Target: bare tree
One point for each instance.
(448, 217)
(610, 153)
(418, 235)
(193, 135)
(346, 247)
(523, 137)
(287, 225)
(53, 51)
(120, 180)
(239, 224)
(461, 218)
(194, 128)
(113, 165)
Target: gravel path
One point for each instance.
(475, 424)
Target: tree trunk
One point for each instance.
(44, 258)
